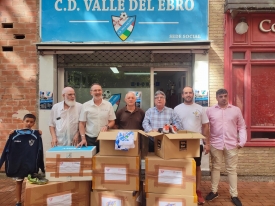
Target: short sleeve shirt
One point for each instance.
(96, 117)
(129, 120)
(192, 117)
(65, 122)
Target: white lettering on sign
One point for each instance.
(270, 27)
(118, 5)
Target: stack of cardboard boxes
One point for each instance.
(170, 172)
(116, 173)
(69, 171)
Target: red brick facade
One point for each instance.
(19, 62)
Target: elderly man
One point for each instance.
(97, 115)
(63, 121)
(194, 118)
(227, 136)
(129, 117)
(158, 117)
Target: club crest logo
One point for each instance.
(123, 25)
(31, 142)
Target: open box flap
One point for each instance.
(111, 135)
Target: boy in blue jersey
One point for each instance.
(23, 154)
(28, 123)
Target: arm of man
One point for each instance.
(242, 130)
(76, 139)
(146, 122)
(54, 138)
(82, 130)
(177, 121)
(205, 133)
(116, 126)
(110, 124)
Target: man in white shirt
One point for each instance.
(194, 118)
(64, 117)
(97, 115)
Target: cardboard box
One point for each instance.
(114, 198)
(55, 193)
(174, 176)
(107, 144)
(184, 144)
(116, 172)
(68, 163)
(175, 200)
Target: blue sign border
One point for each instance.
(99, 21)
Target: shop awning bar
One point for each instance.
(73, 48)
(245, 5)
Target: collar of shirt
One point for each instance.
(228, 106)
(126, 110)
(93, 103)
(160, 110)
(61, 106)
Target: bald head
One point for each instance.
(67, 90)
(130, 99)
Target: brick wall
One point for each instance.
(18, 63)
(255, 161)
(216, 53)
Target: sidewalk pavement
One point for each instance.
(253, 191)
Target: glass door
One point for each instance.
(171, 81)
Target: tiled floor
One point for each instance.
(251, 192)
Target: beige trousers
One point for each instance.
(231, 162)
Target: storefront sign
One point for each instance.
(268, 26)
(124, 20)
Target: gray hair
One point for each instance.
(161, 93)
(130, 93)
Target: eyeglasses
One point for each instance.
(161, 97)
(97, 90)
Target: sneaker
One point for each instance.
(173, 129)
(236, 201)
(200, 198)
(211, 196)
(37, 180)
(166, 129)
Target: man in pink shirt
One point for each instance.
(227, 136)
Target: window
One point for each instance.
(252, 90)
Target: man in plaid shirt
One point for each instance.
(159, 116)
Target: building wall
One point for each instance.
(216, 53)
(252, 160)
(18, 68)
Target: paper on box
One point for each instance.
(174, 176)
(68, 163)
(116, 198)
(184, 144)
(113, 172)
(173, 200)
(58, 193)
